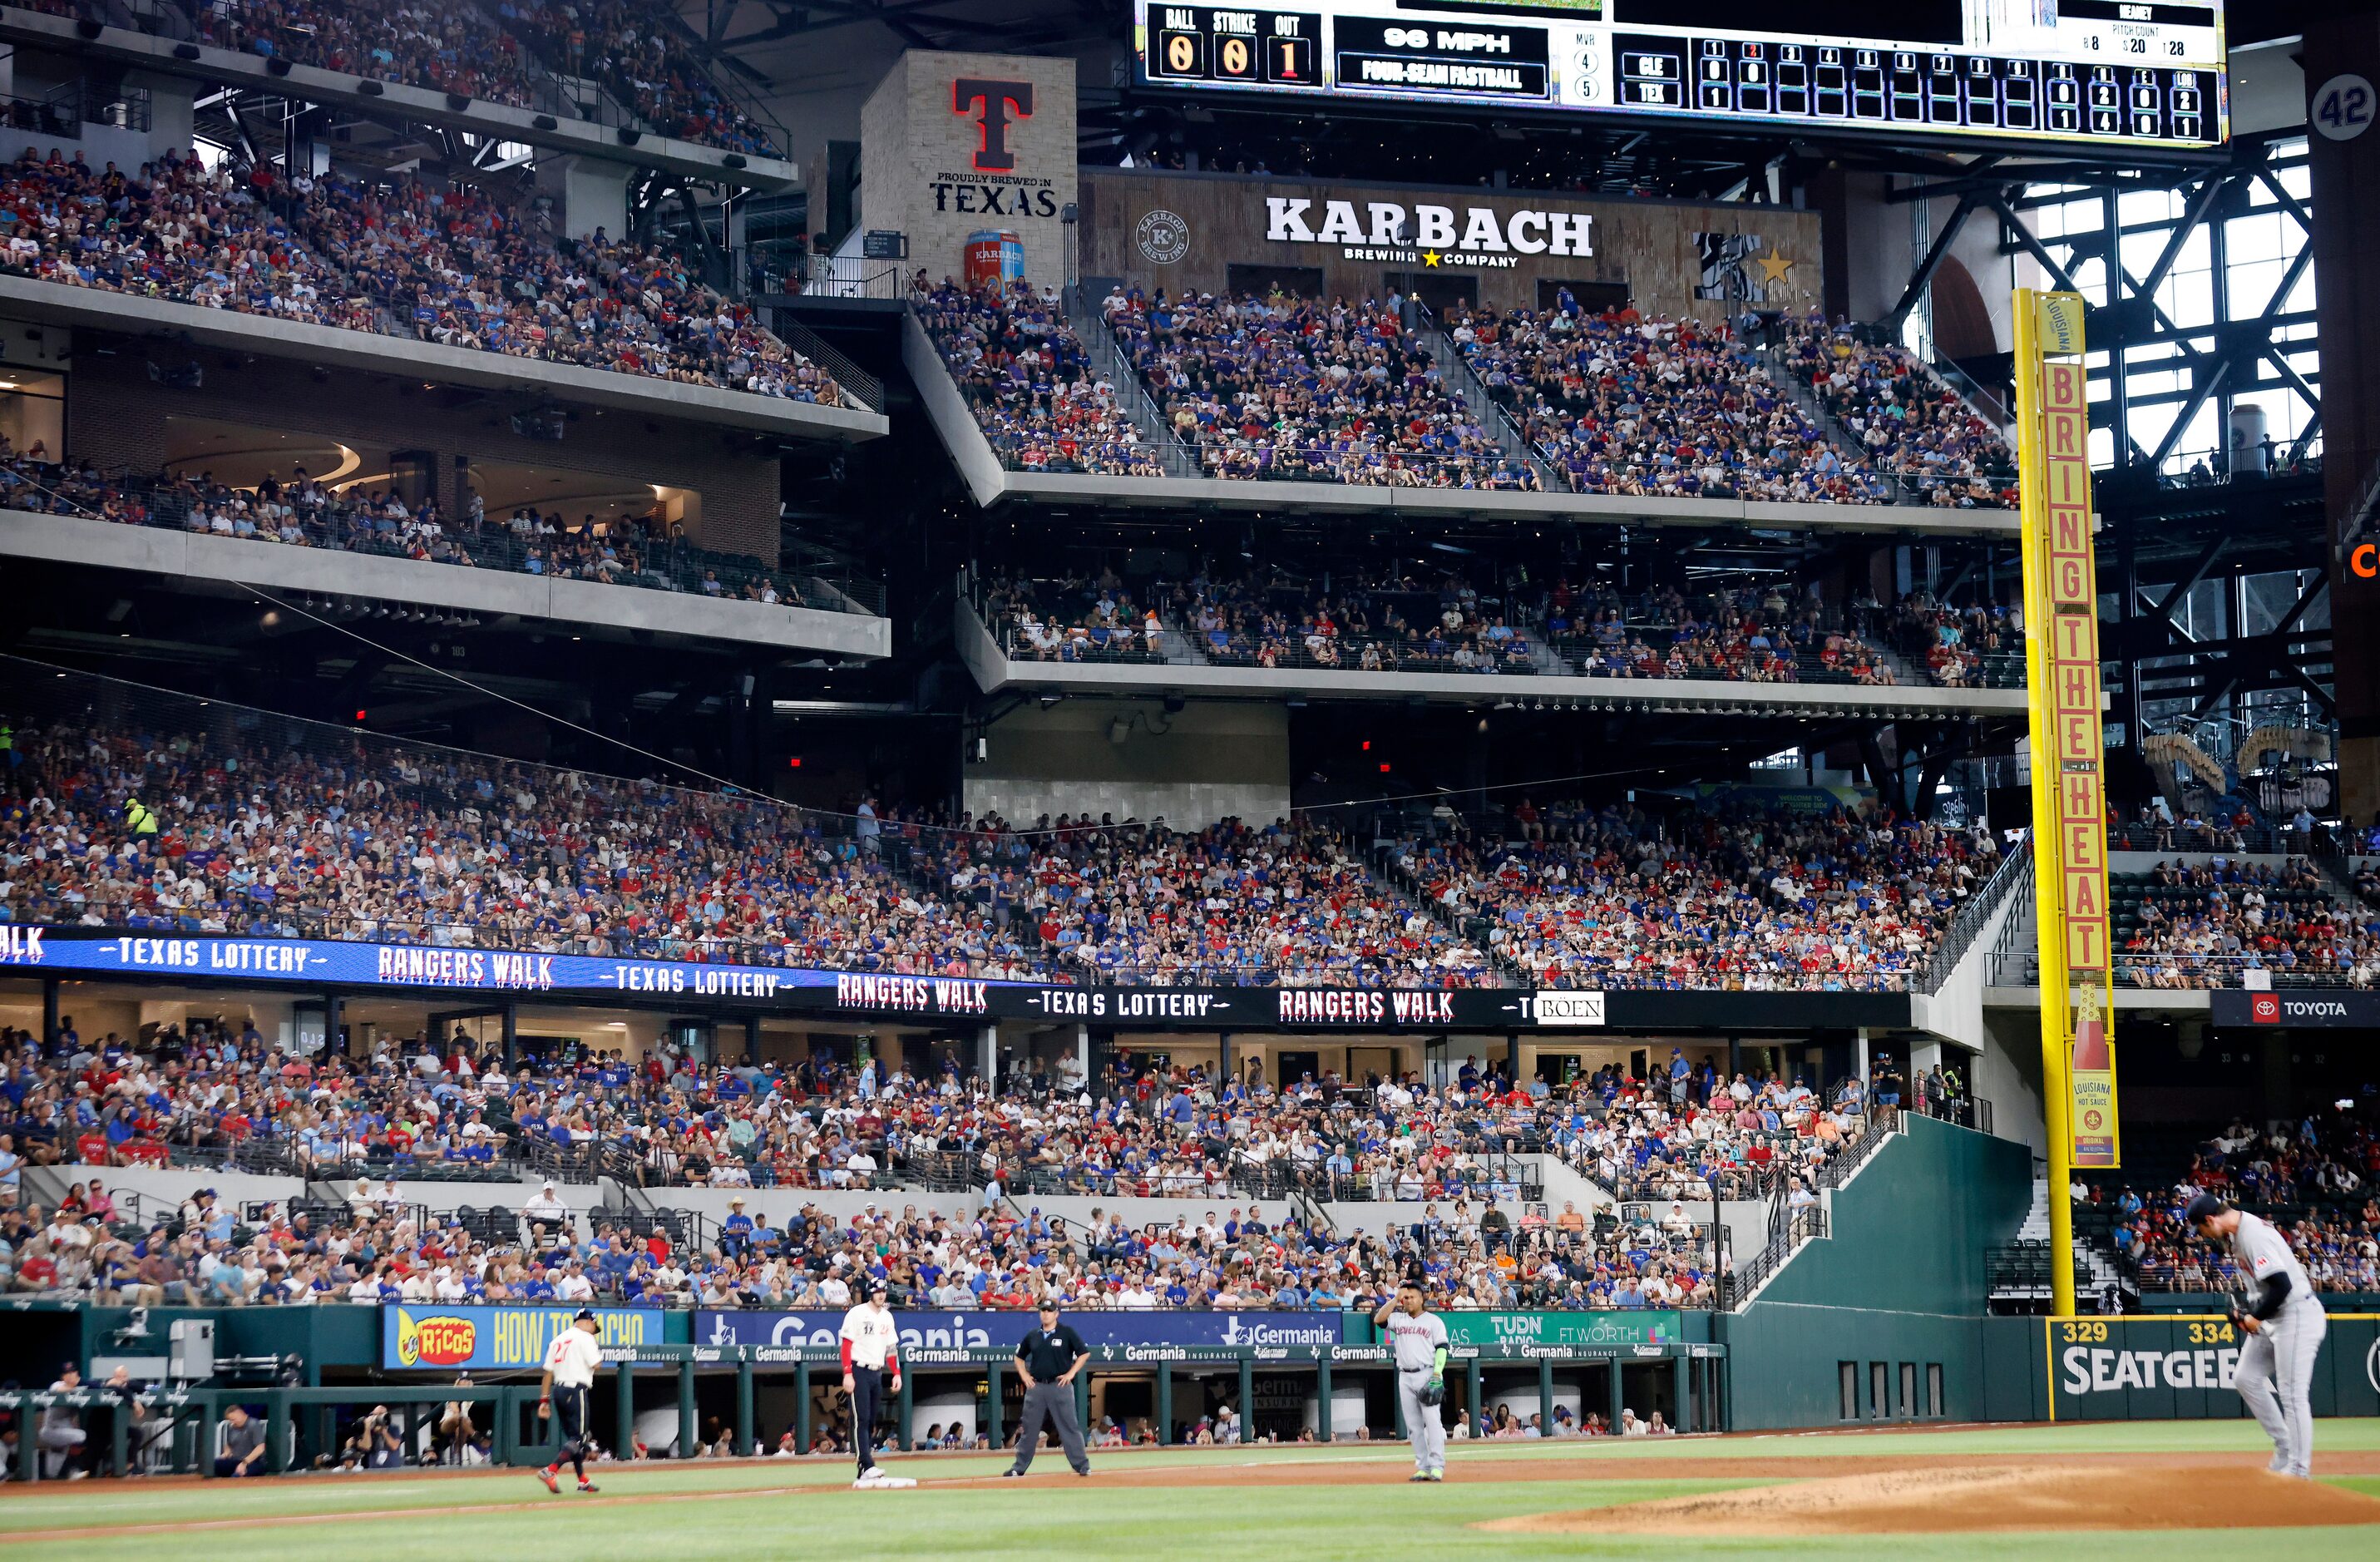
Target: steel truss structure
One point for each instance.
(2213, 566)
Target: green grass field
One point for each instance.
(747, 1510)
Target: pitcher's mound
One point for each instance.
(1954, 1500)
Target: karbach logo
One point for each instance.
(434, 1342)
(1486, 236)
(2264, 1008)
(998, 99)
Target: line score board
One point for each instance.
(2103, 73)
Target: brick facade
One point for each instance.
(937, 169)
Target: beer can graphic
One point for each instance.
(993, 257)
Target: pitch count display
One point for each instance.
(2109, 73)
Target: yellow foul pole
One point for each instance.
(2062, 639)
(2047, 913)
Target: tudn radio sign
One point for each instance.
(434, 1342)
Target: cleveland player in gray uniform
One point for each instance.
(1418, 1339)
(2284, 1324)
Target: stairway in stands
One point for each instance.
(2096, 1258)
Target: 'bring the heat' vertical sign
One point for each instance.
(2069, 799)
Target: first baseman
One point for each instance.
(2283, 1324)
(1418, 1339)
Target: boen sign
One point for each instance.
(1387, 230)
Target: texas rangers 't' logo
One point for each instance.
(999, 100)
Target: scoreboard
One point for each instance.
(2110, 74)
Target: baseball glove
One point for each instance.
(1434, 1392)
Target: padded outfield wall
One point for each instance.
(1895, 1291)
(1883, 1319)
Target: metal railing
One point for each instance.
(852, 277)
(1960, 933)
(810, 344)
(47, 117)
(1893, 486)
(1737, 1285)
(1510, 433)
(1107, 355)
(346, 527)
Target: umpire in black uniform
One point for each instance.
(1048, 1359)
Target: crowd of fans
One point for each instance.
(393, 255)
(300, 511)
(1383, 615)
(1735, 898)
(441, 48)
(1279, 386)
(1023, 371)
(1362, 620)
(636, 50)
(1072, 619)
(1918, 434)
(231, 832)
(2315, 1179)
(1980, 645)
(2210, 925)
(1285, 388)
(1152, 1128)
(1623, 403)
(1292, 903)
(1684, 1129)
(1750, 634)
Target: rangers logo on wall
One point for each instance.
(1162, 236)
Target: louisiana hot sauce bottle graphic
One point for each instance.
(2091, 1071)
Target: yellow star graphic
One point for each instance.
(1429, 257)
(1773, 265)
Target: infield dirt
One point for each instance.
(1966, 1500)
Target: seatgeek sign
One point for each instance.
(322, 965)
(955, 1336)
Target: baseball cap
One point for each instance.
(2205, 1207)
(585, 1314)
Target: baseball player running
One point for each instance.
(1417, 1338)
(570, 1363)
(2284, 1324)
(871, 1368)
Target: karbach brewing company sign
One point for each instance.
(1432, 235)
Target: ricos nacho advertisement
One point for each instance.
(495, 1338)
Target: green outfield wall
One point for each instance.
(1883, 1319)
